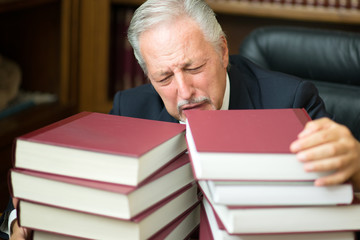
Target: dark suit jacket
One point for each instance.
(251, 87)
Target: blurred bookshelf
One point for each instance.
(37, 35)
(341, 11)
(336, 11)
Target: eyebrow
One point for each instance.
(166, 73)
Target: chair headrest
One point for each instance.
(317, 54)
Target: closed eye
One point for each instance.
(195, 69)
(164, 79)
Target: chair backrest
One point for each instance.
(328, 58)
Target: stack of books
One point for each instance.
(100, 176)
(254, 187)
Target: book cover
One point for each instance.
(114, 200)
(101, 147)
(246, 144)
(246, 131)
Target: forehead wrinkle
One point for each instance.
(181, 66)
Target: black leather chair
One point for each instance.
(328, 58)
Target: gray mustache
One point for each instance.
(192, 101)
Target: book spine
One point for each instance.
(302, 115)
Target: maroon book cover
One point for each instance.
(106, 133)
(246, 131)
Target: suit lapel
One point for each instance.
(239, 94)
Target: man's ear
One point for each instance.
(224, 51)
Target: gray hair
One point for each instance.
(153, 12)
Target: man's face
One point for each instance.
(185, 69)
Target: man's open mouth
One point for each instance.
(192, 106)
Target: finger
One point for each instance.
(315, 125)
(327, 150)
(309, 129)
(329, 164)
(338, 177)
(313, 140)
(19, 233)
(316, 132)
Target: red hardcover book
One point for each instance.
(84, 225)
(182, 227)
(112, 200)
(101, 147)
(245, 220)
(205, 233)
(265, 193)
(209, 230)
(246, 144)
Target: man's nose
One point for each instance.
(185, 86)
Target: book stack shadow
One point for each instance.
(254, 187)
(100, 176)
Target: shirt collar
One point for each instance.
(226, 100)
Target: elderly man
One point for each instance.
(183, 51)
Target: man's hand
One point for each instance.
(324, 145)
(19, 233)
(16, 232)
